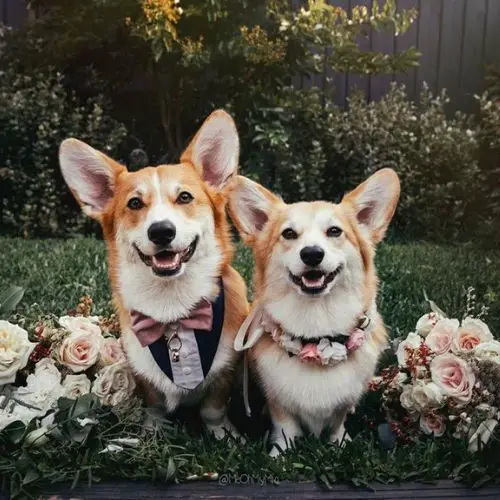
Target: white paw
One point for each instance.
(341, 437)
(219, 431)
(275, 452)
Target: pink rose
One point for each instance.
(441, 336)
(454, 376)
(310, 354)
(111, 352)
(432, 424)
(80, 350)
(472, 333)
(356, 339)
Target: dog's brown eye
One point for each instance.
(334, 232)
(184, 198)
(135, 203)
(289, 234)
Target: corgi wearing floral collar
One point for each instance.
(179, 300)
(314, 334)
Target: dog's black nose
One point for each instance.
(161, 233)
(312, 256)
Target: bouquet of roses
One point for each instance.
(69, 357)
(447, 380)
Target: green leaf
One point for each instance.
(10, 299)
(30, 477)
(15, 432)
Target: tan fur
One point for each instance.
(158, 189)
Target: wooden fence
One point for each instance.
(457, 38)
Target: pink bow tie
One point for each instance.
(148, 330)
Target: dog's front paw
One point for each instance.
(219, 431)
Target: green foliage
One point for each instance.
(223, 52)
(36, 114)
(305, 148)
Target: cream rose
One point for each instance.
(427, 396)
(441, 336)
(80, 324)
(76, 385)
(472, 333)
(426, 323)
(488, 351)
(15, 350)
(111, 352)
(454, 376)
(406, 398)
(80, 350)
(114, 384)
(432, 424)
(413, 341)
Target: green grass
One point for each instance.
(57, 273)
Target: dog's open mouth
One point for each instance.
(315, 281)
(167, 262)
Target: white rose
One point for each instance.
(291, 345)
(43, 388)
(488, 351)
(406, 398)
(426, 323)
(76, 385)
(15, 350)
(80, 350)
(78, 324)
(331, 352)
(481, 434)
(427, 396)
(114, 384)
(413, 341)
(472, 333)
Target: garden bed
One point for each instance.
(57, 273)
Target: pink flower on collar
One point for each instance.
(310, 354)
(355, 340)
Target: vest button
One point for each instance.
(186, 370)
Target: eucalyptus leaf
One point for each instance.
(10, 299)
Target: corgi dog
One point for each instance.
(180, 302)
(314, 334)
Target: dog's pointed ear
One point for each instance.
(215, 149)
(90, 174)
(374, 202)
(250, 206)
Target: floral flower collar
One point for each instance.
(324, 351)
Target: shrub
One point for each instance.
(36, 114)
(306, 149)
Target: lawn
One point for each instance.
(57, 273)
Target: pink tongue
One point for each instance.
(313, 283)
(167, 260)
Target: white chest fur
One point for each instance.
(313, 394)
